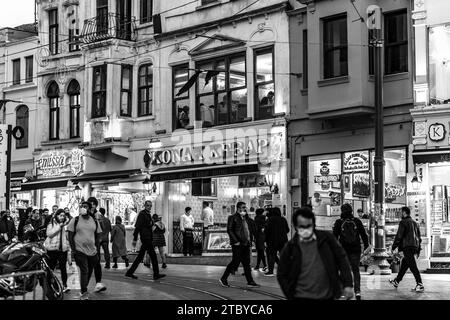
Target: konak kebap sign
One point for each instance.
(57, 163)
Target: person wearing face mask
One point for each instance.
(84, 233)
(313, 265)
(57, 245)
(241, 230)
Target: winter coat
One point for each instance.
(53, 240)
(235, 229)
(143, 227)
(334, 260)
(354, 248)
(118, 240)
(276, 232)
(408, 235)
(260, 222)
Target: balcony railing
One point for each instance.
(109, 26)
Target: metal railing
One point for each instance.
(109, 26)
(18, 282)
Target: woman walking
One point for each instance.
(57, 245)
(260, 221)
(119, 245)
(159, 241)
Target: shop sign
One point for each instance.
(436, 132)
(327, 179)
(3, 158)
(394, 191)
(356, 161)
(60, 163)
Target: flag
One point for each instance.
(210, 75)
(189, 84)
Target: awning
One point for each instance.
(201, 171)
(430, 156)
(45, 184)
(106, 176)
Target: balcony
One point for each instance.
(109, 26)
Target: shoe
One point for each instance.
(107, 266)
(253, 284)
(130, 275)
(99, 287)
(224, 282)
(269, 274)
(65, 289)
(84, 296)
(115, 266)
(256, 268)
(418, 288)
(394, 282)
(358, 296)
(147, 265)
(158, 276)
(164, 266)
(127, 263)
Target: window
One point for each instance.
(74, 101)
(145, 103)
(126, 91)
(16, 71)
(53, 97)
(181, 103)
(146, 11)
(439, 75)
(73, 26)
(22, 121)
(396, 42)
(335, 47)
(102, 17)
(223, 99)
(74, 44)
(99, 92)
(305, 59)
(264, 84)
(53, 31)
(29, 69)
(205, 187)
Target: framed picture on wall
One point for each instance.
(361, 185)
(346, 179)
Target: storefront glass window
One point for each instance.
(439, 60)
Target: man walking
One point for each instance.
(276, 232)
(187, 228)
(241, 230)
(83, 238)
(143, 228)
(99, 287)
(408, 240)
(313, 265)
(104, 237)
(207, 217)
(349, 230)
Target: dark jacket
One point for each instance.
(235, 229)
(105, 224)
(356, 247)
(276, 232)
(334, 259)
(143, 227)
(260, 223)
(408, 235)
(7, 226)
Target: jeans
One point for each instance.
(105, 246)
(354, 259)
(260, 258)
(188, 242)
(409, 261)
(241, 254)
(59, 258)
(98, 267)
(272, 257)
(86, 265)
(146, 246)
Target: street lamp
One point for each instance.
(417, 180)
(78, 192)
(148, 186)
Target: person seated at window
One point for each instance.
(183, 117)
(207, 114)
(268, 100)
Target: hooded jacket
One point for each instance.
(333, 257)
(356, 247)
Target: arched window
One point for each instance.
(74, 100)
(145, 90)
(22, 121)
(53, 97)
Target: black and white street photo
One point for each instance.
(217, 150)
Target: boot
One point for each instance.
(127, 263)
(115, 266)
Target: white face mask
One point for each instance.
(305, 233)
(242, 213)
(83, 211)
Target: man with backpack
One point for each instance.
(349, 230)
(408, 240)
(84, 233)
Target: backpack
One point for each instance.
(349, 233)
